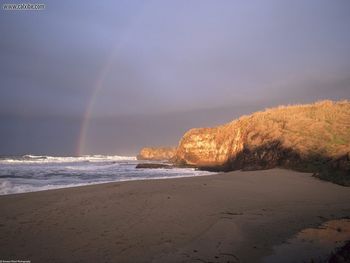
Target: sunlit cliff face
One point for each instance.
(284, 136)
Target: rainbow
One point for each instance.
(80, 148)
(90, 105)
(98, 86)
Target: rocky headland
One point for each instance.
(311, 138)
(157, 153)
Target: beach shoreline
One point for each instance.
(219, 218)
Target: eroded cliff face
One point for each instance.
(304, 137)
(156, 153)
(209, 146)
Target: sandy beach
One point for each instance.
(231, 217)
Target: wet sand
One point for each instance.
(232, 217)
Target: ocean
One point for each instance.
(31, 173)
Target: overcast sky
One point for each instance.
(146, 71)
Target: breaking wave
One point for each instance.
(55, 159)
(31, 173)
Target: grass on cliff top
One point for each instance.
(311, 138)
(318, 132)
(319, 128)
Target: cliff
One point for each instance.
(156, 153)
(313, 137)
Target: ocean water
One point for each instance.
(30, 173)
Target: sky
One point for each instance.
(109, 77)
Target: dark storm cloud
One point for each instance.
(166, 66)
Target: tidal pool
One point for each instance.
(312, 244)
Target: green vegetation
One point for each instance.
(319, 134)
(312, 138)
(339, 140)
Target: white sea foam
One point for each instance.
(7, 187)
(36, 173)
(56, 159)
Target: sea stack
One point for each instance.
(157, 153)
